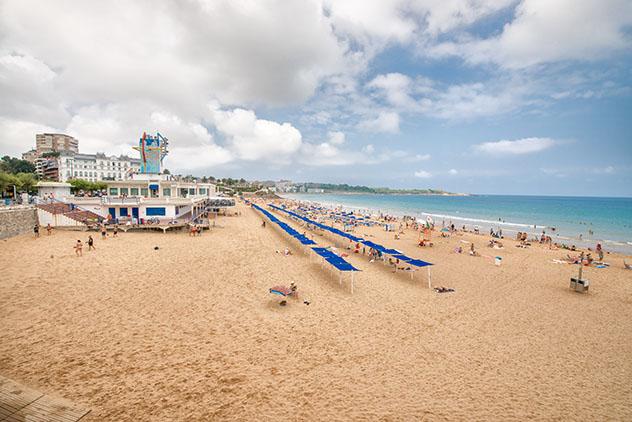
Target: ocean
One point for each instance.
(580, 221)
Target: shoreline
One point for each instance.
(619, 246)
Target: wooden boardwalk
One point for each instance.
(22, 404)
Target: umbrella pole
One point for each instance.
(429, 282)
(351, 282)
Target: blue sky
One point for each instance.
(504, 96)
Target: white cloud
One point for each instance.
(416, 158)
(517, 147)
(253, 139)
(545, 31)
(453, 172)
(19, 136)
(604, 170)
(336, 138)
(422, 174)
(386, 121)
(396, 88)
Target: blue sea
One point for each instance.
(577, 220)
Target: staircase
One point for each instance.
(84, 216)
(59, 213)
(55, 207)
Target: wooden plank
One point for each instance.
(14, 397)
(19, 404)
(55, 409)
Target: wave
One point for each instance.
(483, 221)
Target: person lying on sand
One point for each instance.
(472, 251)
(627, 266)
(458, 250)
(572, 259)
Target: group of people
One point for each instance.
(36, 230)
(195, 230)
(79, 246)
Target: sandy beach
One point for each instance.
(190, 332)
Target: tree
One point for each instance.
(87, 186)
(25, 182)
(166, 171)
(6, 180)
(15, 165)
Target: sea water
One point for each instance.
(581, 221)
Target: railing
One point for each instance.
(74, 207)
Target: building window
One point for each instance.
(202, 191)
(151, 211)
(192, 191)
(144, 192)
(166, 192)
(124, 191)
(134, 191)
(113, 191)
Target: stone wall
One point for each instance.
(17, 220)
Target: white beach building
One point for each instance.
(143, 198)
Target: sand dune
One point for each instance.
(189, 332)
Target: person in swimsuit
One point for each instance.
(49, 229)
(104, 232)
(36, 230)
(79, 248)
(91, 243)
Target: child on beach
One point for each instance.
(79, 248)
(91, 243)
(104, 232)
(115, 230)
(36, 230)
(599, 251)
(49, 229)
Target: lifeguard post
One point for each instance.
(153, 149)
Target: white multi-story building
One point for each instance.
(96, 167)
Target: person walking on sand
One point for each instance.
(36, 230)
(49, 229)
(104, 232)
(115, 230)
(79, 248)
(263, 224)
(91, 243)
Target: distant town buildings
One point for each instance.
(56, 157)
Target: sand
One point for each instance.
(190, 332)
